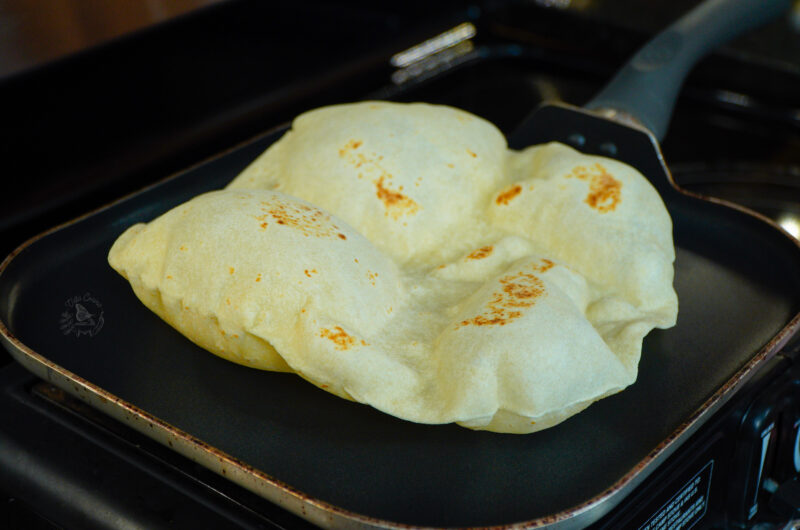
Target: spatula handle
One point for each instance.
(647, 86)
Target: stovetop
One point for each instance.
(91, 127)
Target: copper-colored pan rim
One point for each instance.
(329, 512)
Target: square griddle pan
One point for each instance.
(343, 464)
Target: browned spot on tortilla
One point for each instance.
(371, 276)
(258, 278)
(395, 202)
(231, 270)
(310, 272)
(342, 236)
(359, 159)
(370, 166)
(183, 247)
(169, 276)
(481, 253)
(517, 292)
(544, 266)
(605, 192)
(472, 154)
(451, 165)
(350, 146)
(505, 196)
(338, 336)
(309, 220)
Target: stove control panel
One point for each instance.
(766, 460)
(741, 470)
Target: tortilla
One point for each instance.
(406, 180)
(516, 293)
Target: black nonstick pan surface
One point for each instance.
(739, 289)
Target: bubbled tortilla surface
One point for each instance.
(400, 255)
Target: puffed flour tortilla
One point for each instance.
(400, 255)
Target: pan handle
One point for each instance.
(647, 86)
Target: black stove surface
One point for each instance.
(66, 466)
(92, 127)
